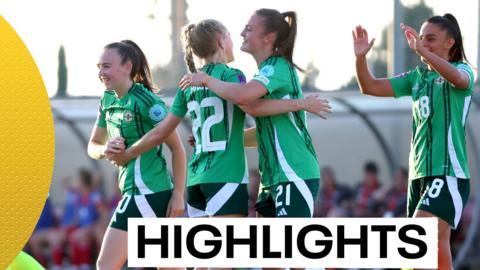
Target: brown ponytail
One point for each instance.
(448, 23)
(285, 26)
(187, 32)
(129, 50)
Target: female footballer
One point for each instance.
(128, 110)
(441, 92)
(287, 158)
(215, 187)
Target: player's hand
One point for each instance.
(118, 159)
(413, 39)
(114, 146)
(194, 79)
(191, 140)
(361, 45)
(316, 105)
(176, 205)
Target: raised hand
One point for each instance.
(194, 79)
(316, 105)
(413, 39)
(361, 45)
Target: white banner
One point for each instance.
(283, 242)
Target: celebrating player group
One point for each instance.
(133, 124)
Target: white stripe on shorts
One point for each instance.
(220, 198)
(307, 195)
(195, 212)
(292, 175)
(143, 206)
(456, 197)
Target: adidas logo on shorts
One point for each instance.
(426, 202)
(282, 212)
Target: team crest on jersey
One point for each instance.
(157, 112)
(267, 71)
(439, 80)
(128, 116)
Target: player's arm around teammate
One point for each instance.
(247, 95)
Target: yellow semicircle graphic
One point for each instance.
(26, 142)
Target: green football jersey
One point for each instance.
(217, 126)
(439, 115)
(286, 151)
(130, 117)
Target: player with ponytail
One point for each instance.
(287, 159)
(441, 91)
(128, 110)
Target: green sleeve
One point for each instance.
(157, 112)
(273, 77)
(179, 105)
(402, 84)
(101, 116)
(462, 67)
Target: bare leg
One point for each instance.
(113, 253)
(444, 254)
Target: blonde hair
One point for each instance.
(201, 39)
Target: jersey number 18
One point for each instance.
(424, 106)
